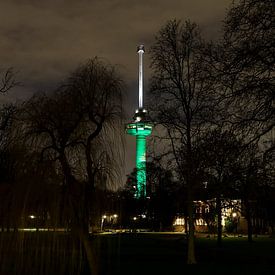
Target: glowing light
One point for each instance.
(104, 217)
(179, 221)
(115, 215)
(141, 130)
(27, 229)
(140, 76)
(201, 222)
(134, 218)
(234, 215)
(32, 217)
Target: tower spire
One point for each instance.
(140, 51)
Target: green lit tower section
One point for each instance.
(141, 127)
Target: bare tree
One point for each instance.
(8, 81)
(219, 151)
(79, 127)
(247, 60)
(182, 89)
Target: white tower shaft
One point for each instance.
(140, 77)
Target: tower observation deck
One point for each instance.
(141, 127)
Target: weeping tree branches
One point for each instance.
(83, 116)
(79, 128)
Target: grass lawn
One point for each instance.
(166, 254)
(50, 253)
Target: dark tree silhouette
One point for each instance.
(8, 81)
(248, 66)
(182, 91)
(79, 127)
(251, 183)
(159, 207)
(219, 151)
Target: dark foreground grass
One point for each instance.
(132, 254)
(166, 254)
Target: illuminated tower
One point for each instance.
(141, 128)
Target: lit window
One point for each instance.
(179, 221)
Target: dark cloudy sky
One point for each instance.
(46, 39)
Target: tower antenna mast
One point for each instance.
(140, 76)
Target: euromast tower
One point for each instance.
(141, 127)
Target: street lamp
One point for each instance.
(102, 221)
(235, 221)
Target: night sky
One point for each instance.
(44, 40)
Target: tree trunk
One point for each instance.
(185, 224)
(191, 236)
(90, 253)
(249, 222)
(219, 226)
(77, 203)
(190, 207)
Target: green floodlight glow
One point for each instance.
(141, 130)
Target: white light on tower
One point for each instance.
(140, 51)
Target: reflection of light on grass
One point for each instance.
(42, 229)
